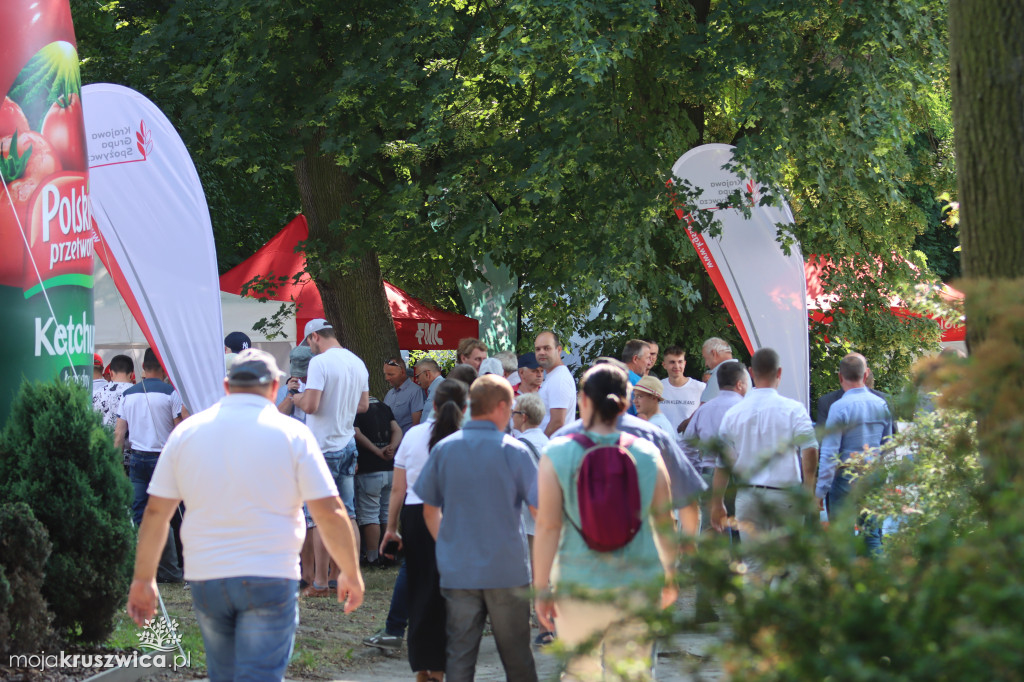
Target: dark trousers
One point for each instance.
(427, 616)
(509, 609)
(398, 613)
(141, 468)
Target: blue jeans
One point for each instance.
(248, 625)
(342, 464)
(869, 529)
(140, 469)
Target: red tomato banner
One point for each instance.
(46, 237)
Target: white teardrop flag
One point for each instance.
(156, 236)
(763, 289)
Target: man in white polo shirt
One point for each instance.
(559, 388)
(244, 469)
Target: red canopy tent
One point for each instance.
(419, 326)
(819, 302)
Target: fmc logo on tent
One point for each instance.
(429, 334)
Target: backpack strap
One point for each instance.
(582, 440)
(586, 443)
(531, 447)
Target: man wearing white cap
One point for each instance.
(243, 469)
(337, 388)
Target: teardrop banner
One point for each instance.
(46, 239)
(763, 288)
(157, 239)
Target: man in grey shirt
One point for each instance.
(405, 398)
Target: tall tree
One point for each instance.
(986, 53)
(424, 133)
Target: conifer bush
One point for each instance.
(56, 457)
(24, 548)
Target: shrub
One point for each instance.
(24, 548)
(942, 603)
(57, 458)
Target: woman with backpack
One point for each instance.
(604, 508)
(427, 614)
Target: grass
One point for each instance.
(325, 644)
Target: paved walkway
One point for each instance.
(685, 658)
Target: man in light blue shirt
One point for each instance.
(474, 487)
(428, 376)
(857, 422)
(405, 398)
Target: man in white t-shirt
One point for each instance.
(243, 469)
(559, 388)
(680, 394)
(337, 388)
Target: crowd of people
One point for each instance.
(484, 486)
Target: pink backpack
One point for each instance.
(607, 494)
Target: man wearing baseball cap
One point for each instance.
(647, 400)
(531, 374)
(337, 388)
(98, 382)
(243, 470)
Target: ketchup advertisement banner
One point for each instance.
(46, 237)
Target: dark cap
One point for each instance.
(253, 367)
(237, 342)
(528, 361)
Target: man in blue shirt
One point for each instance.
(473, 488)
(428, 376)
(857, 422)
(405, 398)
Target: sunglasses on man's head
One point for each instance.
(393, 363)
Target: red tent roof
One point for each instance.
(819, 301)
(419, 326)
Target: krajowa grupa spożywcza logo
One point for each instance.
(121, 144)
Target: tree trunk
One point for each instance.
(987, 74)
(350, 284)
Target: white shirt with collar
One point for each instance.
(764, 434)
(243, 470)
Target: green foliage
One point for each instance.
(24, 548)
(56, 457)
(930, 468)
(541, 133)
(941, 603)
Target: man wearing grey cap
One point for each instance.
(337, 388)
(243, 469)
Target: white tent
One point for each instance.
(117, 332)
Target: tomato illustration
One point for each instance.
(12, 256)
(12, 118)
(64, 128)
(41, 161)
